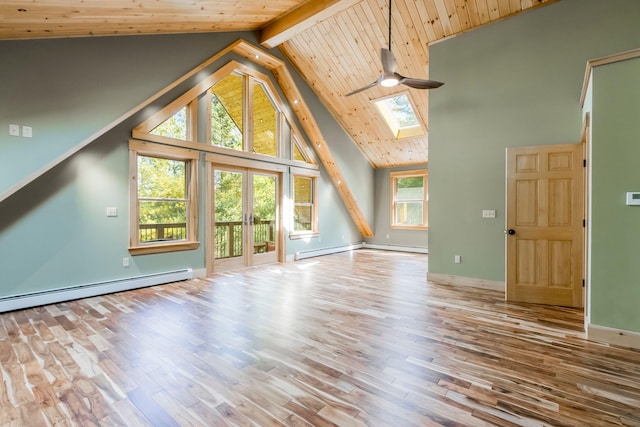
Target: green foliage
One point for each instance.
(264, 197)
(228, 196)
(225, 132)
(411, 182)
(162, 190)
(174, 127)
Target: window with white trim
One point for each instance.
(409, 199)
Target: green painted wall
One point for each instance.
(615, 227)
(513, 83)
(54, 232)
(384, 234)
(68, 89)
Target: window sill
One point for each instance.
(409, 227)
(155, 248)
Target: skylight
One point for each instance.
(399, 114)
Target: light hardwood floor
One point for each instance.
(357, 338)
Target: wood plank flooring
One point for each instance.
(352, 339)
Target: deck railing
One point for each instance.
(228, 236)
(156, 232)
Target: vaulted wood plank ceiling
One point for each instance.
(335, 44)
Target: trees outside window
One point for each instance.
(163, 190)
(236, 116)
(174, 127)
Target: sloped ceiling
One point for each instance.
(334, 44)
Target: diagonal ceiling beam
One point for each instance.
(309, 124)
(300, 19)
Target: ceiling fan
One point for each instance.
(390, 77)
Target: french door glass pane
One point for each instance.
(228, 206)
(264, 213)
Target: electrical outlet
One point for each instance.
(112, 212)
(125, 262)
(457, 259)
(489, 213)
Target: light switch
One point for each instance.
(27, 131)
(111, 212)
(14, 130)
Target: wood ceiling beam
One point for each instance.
(309, 124)
(300, 19)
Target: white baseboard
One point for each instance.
(398, 248)
(16, 302)
(326, 251)
(448, 279)
(613, 336)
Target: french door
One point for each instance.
(244, 218)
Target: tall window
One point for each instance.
(409, 199)
(163, 191)
(305, 208)
(264, 122)
(226, 112)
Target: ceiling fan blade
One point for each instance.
(369, 86)
(389, 65)
(420, 83)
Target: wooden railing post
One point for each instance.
(231, 233)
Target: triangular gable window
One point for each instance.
(174, 127)
(237, 109)
(300, 150)
(297, 154)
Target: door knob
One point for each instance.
(511, 231)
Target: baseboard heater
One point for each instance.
(398, 248)
(326, 251)
(53, 296)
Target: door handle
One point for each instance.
(244, 219)
(511, 231)
(251, 219)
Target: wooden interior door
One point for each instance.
(545, 224)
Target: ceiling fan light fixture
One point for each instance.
(390, 77)
(389, 82)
